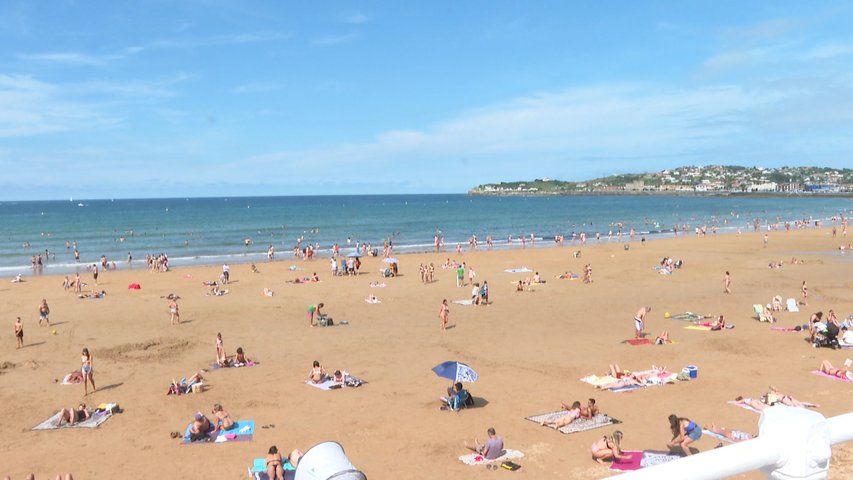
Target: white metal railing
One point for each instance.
(792, 443)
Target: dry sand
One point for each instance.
(529, 348)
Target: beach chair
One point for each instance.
(460, 400)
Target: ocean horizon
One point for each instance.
(212, 230)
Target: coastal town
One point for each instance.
(709, 180)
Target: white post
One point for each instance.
(793, 443)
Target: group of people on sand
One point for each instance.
(222, 358)
(203, 429)
(318, 375)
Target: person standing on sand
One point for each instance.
(765, 240)
(78, 283)
(443, 314)
(95, 272)
(88, 371)
(174, 316)
(640, 322)
(727, 282)
(805, 290)
(460, 275)
(19, 332)
(44, 312)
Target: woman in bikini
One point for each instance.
(607, 448)
(223, 419)
(842, 373)
(684, 432)
(221, 357)
(571, 415)
(775, 396)
(275, 471)
(88, 371)
(73, 415)
(317, 373)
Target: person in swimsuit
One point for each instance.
(733, 435)
(223, 419)
(573, 414)
(827, 368)
(805, 290)
(19, 332)
(607, 448)
(174, 316)
(588, 411)
(201, 428)
(44, 312)
(221, 357)
(275, 471)
(443, 314)
(639, 322)
(88, 371)
(73, 415)
(684, 432)
(317, 373)
(240, 358)
(774, 396)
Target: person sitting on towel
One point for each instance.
(223, 419)
(492, 449)
(201, 428)
(317, 373)
(240, 358)
(588, 411)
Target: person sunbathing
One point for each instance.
(73, 415)
(317, 374)
(339, 377)
(201, 428)
(275, 471)
(750, 402)
(588, 411)
(607, 448)
(185, 385)
(774, 397)
(570, 416)
(842, 373)
(733, 435)
(223, 419)
(663, 338)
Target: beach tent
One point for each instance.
(326, 461)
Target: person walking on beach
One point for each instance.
(78, 283)
(44, 312)
(174, 316)
(443, 314)
(805, 290)
(226, 272)
(460, 275)
(95, 272)
(19, 332)
(313, 308)
(765, 240)
(88, 371)
(640, 322)
(727, 283)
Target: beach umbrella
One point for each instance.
(354, 254)
(456, 371)
(389, 260)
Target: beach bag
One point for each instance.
(469, 402)
(512, 466)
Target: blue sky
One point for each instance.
(104, 99)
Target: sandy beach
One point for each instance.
(529, 348)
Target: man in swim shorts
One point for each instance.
(639, 321)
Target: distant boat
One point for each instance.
(80, 205)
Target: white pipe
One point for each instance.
(841, 428)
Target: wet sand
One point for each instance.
(529, 349)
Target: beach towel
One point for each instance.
(745, 407)
(785, 329)
(717, 435)
(824, 374)
(66, 380)
(243, 431)
(579, 425)
(477, 459)
(652, 458)
(378, 285)
(638, 341)
(701, 328)
(791, 305)
(216, 366)
(597, 381)
(373, 301)
(687, 316)
(464, 302)
(134, 286)
(631, 464)
(94, 420)
(518, 270)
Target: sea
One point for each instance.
(208, 231)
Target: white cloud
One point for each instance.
(329, 40)
(356, 18)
